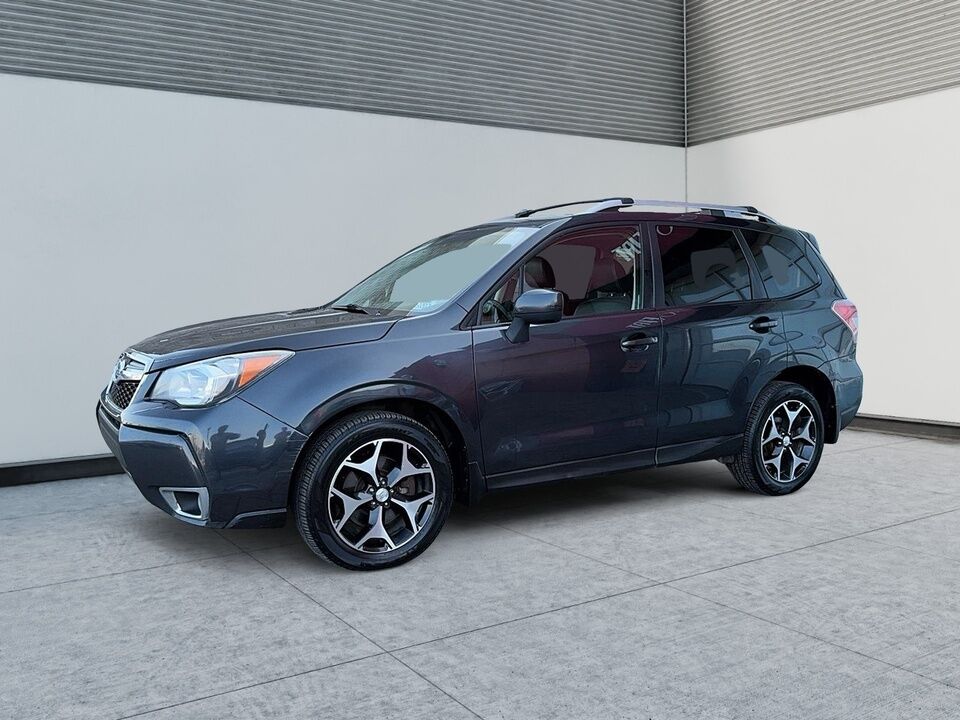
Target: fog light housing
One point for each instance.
(189, 503)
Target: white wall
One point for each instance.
(879, 188)
(124, 212)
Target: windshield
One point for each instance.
(427, 277)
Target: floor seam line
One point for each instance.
(121, 572)
(530, 617)
(573, 552)
(359, 632)
(433, 684)
(844, 537)
(758, 559)
(68, 512)
(817, 544)
(812, 637)
(934, 652)
(874, 447)
(752, 560)
(251, 685)
(758, 514)
(924, 553)
(911, 520)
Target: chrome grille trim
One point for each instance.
(125, 380)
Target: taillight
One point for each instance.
(847, 312)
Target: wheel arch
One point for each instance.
(436, 411)
(819, 385)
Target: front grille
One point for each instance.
(127, 374)
(122, 391)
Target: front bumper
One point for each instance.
(228, 465)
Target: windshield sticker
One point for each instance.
(514, 237)
(427, 306)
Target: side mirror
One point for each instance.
(534, 307)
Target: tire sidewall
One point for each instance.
(316, 514)
(790, 392)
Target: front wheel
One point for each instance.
(374, 491)
(783, 441)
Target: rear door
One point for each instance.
(722, 338)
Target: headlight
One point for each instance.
(208, 381)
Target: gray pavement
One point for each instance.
(660, 594)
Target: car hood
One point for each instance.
(291, 330)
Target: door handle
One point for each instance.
(638, 342)
(763, 324)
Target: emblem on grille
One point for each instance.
(118, 368)
(127, 369)
(126, 377)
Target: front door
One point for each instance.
(721, 336)
(581, 388)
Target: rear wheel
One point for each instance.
(783, 441)
(374, 491)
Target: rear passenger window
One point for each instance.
(782, 263)
(702, 265)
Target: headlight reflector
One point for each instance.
(208, 381)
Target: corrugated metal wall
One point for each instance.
(753, 64)
(608, 69)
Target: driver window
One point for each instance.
(596, 270)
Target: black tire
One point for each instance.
(323, 459)
(748, 467)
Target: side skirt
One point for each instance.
(668, 455)
(575, 469)
(699, 450)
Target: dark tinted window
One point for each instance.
(702, 265)
(782, 263)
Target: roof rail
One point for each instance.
(618, 202)
(596, 206)
(710, 208)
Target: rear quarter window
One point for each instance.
(783, 264)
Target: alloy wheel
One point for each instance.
(788, 442)
(381, 496)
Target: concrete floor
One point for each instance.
(662, 594)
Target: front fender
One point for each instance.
(394, 391)
(436, 368)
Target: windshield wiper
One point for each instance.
(354, 308)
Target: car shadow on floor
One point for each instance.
(562, 501)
